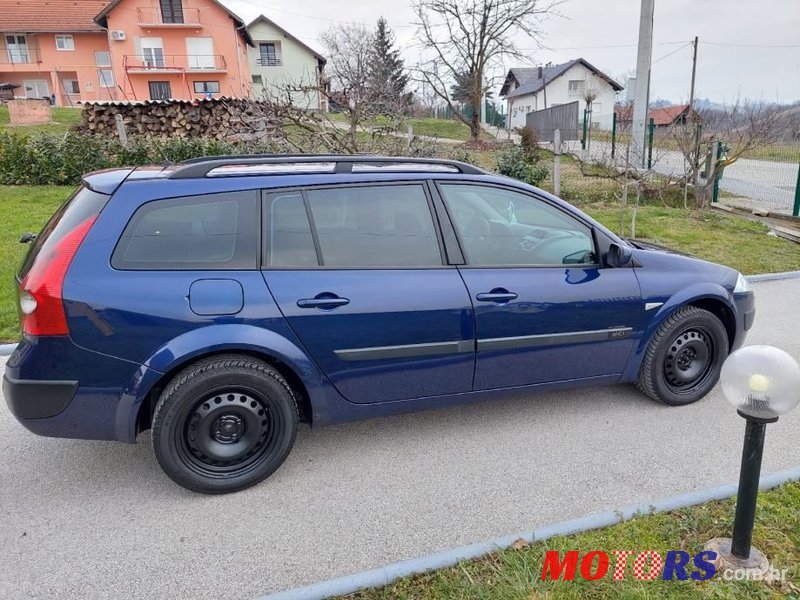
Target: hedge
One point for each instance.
(61, 159)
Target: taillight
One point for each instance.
(40, 292)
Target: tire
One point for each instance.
(683, 360)
(224, 424)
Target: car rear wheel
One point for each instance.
(224, 424)
(683, 360)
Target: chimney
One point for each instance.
(540, 72)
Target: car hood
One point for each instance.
(642, 245)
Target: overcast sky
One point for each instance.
(748, 48)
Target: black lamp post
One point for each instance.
(763, 383)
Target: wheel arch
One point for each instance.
(711, 297)
(138, 401)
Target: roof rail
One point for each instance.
(247, 164)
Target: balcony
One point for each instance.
(19, 55)
(154, 17)
(269, 61)
(174, 63)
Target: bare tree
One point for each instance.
(349, 49)
(743, 127)
(467, 39)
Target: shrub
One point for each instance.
(529, 140)
(513, 162)
(61, 159)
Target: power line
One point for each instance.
(752, 45)
(671, 53)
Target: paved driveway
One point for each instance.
(764, 183)
(90, 519)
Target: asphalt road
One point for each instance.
(100, 520)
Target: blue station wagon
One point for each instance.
(223, 300)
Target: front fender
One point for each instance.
(210, 340)
(687, 295)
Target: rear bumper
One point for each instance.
(57, 389)
(37, 399)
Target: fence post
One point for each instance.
(796, 209)
(650, 143)
(557, 162)
(409, 137)
(714, 171)
(613, 133)
(123, 135)
(583, 135)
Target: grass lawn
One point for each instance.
(23, 208)
(63, 120)
(515, 574)
(451, 129)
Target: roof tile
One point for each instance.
(39, 16)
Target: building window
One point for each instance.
(71, 86)
(102, 58)
(65, 42)
(171, 11)
(106, 78)
(269, 54)
(257, 79)
(160, 90)
(206, 87)
(576, 88)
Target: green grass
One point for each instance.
(450, 129)
(23, 208)
(515, 574)
(63, 120)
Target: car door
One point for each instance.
(546, 310)
(359, 274)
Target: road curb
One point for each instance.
(385, 575)
(6, 349)
(774, 276)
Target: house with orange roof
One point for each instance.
(663, 116)
(95, 50)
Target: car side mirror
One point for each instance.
(618, 256)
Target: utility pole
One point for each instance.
(695, 144)
(643, 58)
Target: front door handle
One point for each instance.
(325, 301)
(496, 295)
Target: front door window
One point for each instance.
(153, 52)
(171, 11)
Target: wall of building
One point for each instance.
(298, 67)
(226, 64)
(58, 67)
(558, 93)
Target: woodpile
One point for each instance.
(230, 119)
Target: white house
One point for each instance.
(529, 89)
(279, 60)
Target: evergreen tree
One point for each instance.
(387, 77)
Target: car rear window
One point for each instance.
(206, 232)
(83, 205)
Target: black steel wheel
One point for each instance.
(683, 360)
(224, 424)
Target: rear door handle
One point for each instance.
(325, 301)
(497, 295)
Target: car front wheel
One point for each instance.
(683, 360)
(224, 424)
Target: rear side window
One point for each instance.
(82, 206)
(383, 226)
(208, 232)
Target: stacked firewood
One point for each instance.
(230, 119)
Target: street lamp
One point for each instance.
(762, 383)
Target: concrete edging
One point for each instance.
(384, 575)
(6, 349)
